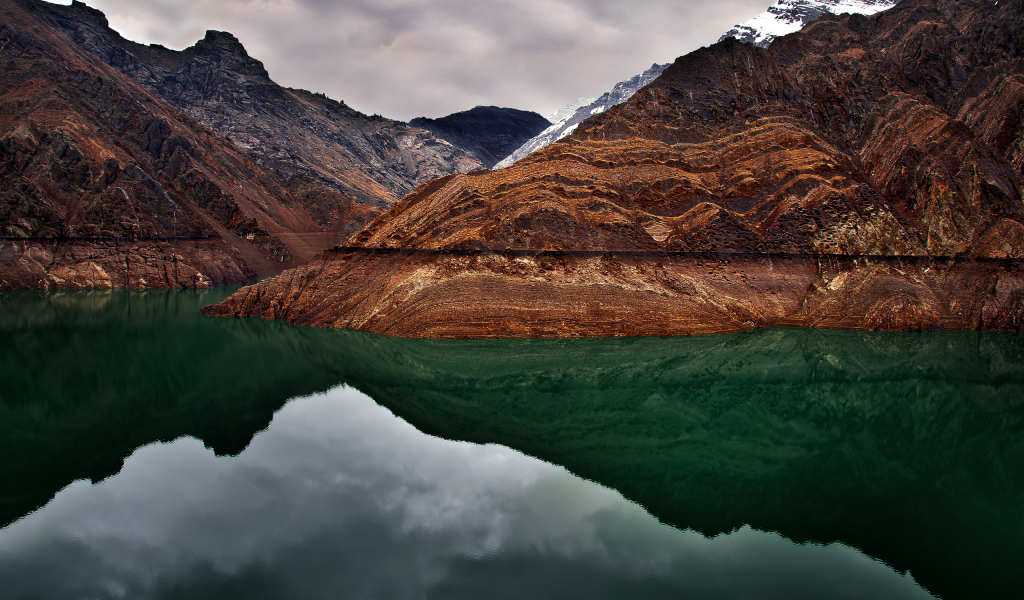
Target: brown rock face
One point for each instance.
(111, 264)
(91, 165)
(371, 159)
(565, 295)
(791, 170)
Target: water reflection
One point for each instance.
(907, 447)
(85, 378)
(340, 498)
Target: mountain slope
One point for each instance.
(489, 132)
(371, 159)
(786, 17)
(565, 125)
(864, 172)
(104, 184)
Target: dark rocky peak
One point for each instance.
(490, 132)
(225, 49)
(84, 11)
(221, 41)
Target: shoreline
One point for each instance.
(558, 295)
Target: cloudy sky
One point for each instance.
(409, 58)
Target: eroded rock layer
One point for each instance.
(449, 295)
(120, 264)
(92, 164)
(894, 135)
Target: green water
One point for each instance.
(909, 447)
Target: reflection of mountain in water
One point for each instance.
(906, 446)
(89, 377)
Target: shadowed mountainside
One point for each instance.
(489, 132)
(860, 137)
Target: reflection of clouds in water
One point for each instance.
(340, 495)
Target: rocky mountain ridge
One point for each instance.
(371, 159)
(865, 172)
(489, 132)
(785, 17)
(105, 184)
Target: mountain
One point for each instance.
(785, 17)
(105, 184)
(865, 172)
(569, 109)
(371, 159)
(790, 15)
(568, 118)
(489, 132)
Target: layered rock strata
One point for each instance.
(489, 132)
(97, 173)
(369, 158)
(891, 136)
(105, 264)
(567, 295)
(785, 17)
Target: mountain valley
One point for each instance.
(861, 173)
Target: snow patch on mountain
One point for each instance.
(572, 117)
(568, 110)
(789, 16)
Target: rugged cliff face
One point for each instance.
(371, 159)
(764, 185)
(489, 132)
(102, 183)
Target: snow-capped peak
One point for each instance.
(789, 16)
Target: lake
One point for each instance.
(149, 452)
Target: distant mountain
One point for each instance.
(790, 15)
(369, 158)
(105, 184)
(489, 132)
(569, 120)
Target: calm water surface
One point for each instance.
(770, 464)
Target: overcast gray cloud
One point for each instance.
(409, 58)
